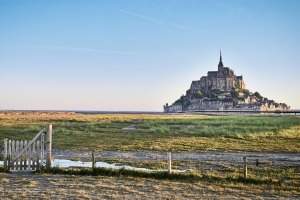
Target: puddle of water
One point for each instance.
(61, 163)
(128, 128)
(69, 163)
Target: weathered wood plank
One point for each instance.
(21, 157)
(17, 152)
(33, 156)
(42, 148)
(25, 154)
(5, 155)
(38, 146)
(13, 150)
(9, 154)
(29, 157)
(49, 148)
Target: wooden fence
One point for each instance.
(29, 155)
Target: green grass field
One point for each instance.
(158, 132)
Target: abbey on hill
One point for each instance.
(222, 90)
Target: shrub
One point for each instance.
(198, 95)
(258, 95)
(234, 94)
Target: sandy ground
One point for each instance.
(34, 186)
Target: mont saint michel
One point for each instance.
(222, 90)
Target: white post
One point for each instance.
(169, 163)
(49, 148)
(245, 166)
(93, 160)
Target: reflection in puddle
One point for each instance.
(69, 163)
(61, 163)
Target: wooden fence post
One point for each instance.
(169, 163)
(49, 148)
(245, 166)
(93, 161)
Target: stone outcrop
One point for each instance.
(222, 90)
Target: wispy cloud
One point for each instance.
(155, 20)
(86, 49)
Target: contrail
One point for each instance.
(85, 49)
(155, 20)
(180, 26)
(141, 16)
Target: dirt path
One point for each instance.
(35, 186)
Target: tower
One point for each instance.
(220, 66)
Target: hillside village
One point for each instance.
(222, 90)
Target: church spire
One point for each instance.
(220, 66)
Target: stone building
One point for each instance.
(224, 80)
(222, 90)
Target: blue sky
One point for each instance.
(140, 54)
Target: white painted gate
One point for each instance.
(29, 155)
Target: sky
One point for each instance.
(138, 55)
